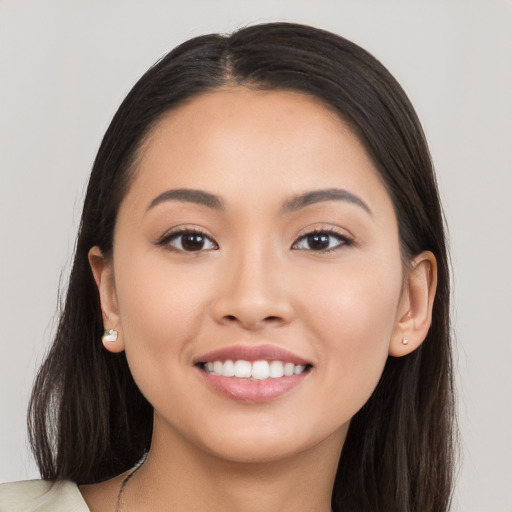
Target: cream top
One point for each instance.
(41, 496)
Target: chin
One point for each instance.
(265, 443)
(254, 451)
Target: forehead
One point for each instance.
(239, 140)
(245, 117)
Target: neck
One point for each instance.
(178, 476)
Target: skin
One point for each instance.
(257, 281)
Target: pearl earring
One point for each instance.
(109, 335)
(405, 341)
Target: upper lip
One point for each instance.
(252, 353)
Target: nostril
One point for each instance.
(267, 318)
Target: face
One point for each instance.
(256, 230)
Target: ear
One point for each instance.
(103, 273)
(415, 309)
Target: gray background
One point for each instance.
(65, 67)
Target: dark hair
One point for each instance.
(87, 419)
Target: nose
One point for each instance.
(254, 292)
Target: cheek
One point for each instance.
(353, 319)
(359, 299)
(160, 312)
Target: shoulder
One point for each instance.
(41, 496)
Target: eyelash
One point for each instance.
(344, 240)
(167, 238)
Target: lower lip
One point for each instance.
(253, 391)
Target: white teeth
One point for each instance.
(289, 368)
(277, 369)
(217, 367)
(243, 369)
(258, 370)
(228, 369)
(298, 369)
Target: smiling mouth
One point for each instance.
(253, 373)
(255, 370)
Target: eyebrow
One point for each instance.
(191, 196)
(318, 196)
(295, 203)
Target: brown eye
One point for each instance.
(188, 241)
(318, 242)
(322, 241)
(192, 242)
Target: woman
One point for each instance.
(250, 321)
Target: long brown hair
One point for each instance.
(87, 419)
